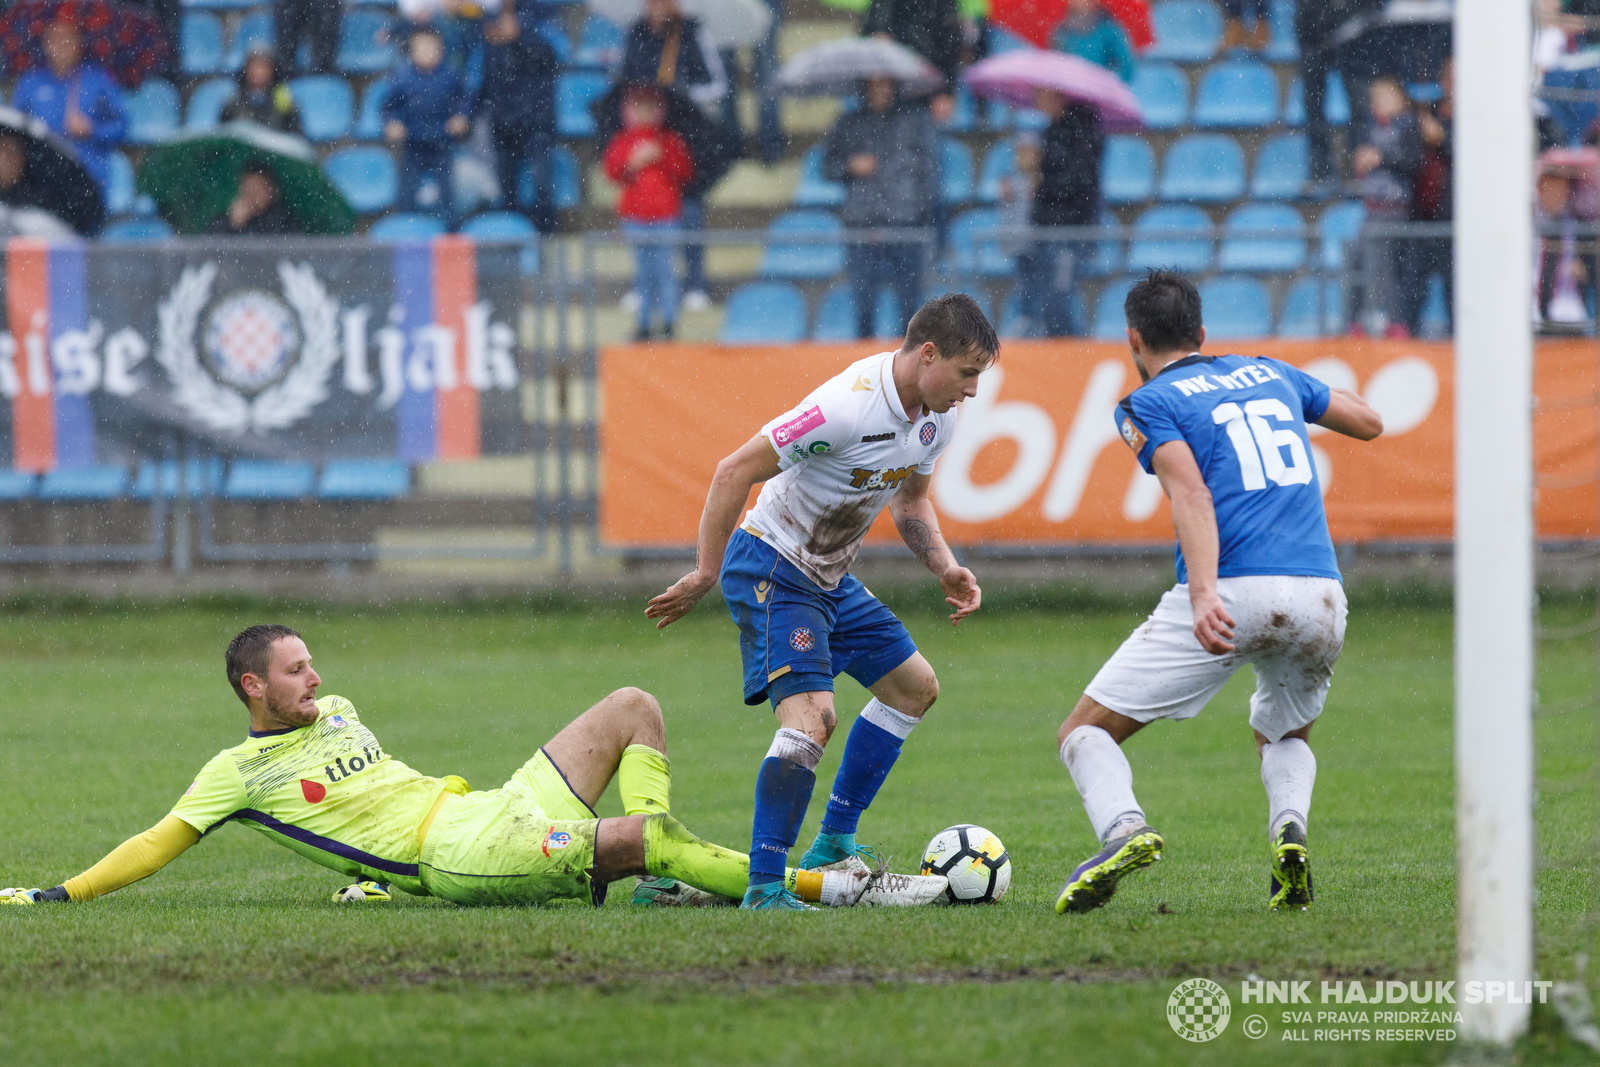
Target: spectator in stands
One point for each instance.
(1016, 214)
(257, 209)
(652, 165)
(519, 96)
(930, 27)
(1314, 23)
(1566, 266)
(1432, 200)
(1383, 166)
(668, 48)
(424, 112)
(887, 156)
(1068, 194)
(1089, 33)
(317, 22)
(1234, 32)
(169, 17)
(77, 100)
(264, 96)
(770, 136)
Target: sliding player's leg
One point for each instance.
(622, 736)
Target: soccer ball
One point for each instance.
(973, 861)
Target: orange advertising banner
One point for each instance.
(1037, 459)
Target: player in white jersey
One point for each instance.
(866, 439)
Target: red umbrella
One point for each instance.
(123, 38)
(1036, 20)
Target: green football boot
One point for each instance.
(1095, 880)
(671, 893)
(1290, 882)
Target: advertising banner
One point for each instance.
(1037, 458)
(302, 349)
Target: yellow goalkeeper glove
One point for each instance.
(24, 897)
(362, 892)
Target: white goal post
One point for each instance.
(1494, 533)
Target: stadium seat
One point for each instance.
(1005, 117)
(1187, 31)
(1128, 170)
(204, 478)
(1335, 102)
(575, 91)
(1159, 239)
(964, 115)
(406, 226)
(1003, 40)
(254, 29)
(221, 5)
(1304, 316)
(499, 226)
(1282, 47)
(1251, 241)
(121, 190)
(558, 40)
(1203, 167)
(364, 479)
(265, 479)
(999, 163)
(360, 51)
(1239, 92)
(1109, 256)
(369, 120)
(326, 106)
(135, 231)
(1163, 94)
(813, 190)
(815, 259)
(1282, 168)
(1110, 324)
(153, 112)
(1236, 306)
(365, 175)
(16, 485)
(83, 483)
(836, 315)
(206, 102)
(600, 45)
(200, 43)
(974, 255)
(1339, 227)
(764, 313)
(955, 171)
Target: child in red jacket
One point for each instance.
(652, 165)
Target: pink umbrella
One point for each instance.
(1013, 77)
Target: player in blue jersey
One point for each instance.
(1257, 583)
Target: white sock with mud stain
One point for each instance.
(1104, 781)
(1289, 771)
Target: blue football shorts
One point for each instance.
(795, 637)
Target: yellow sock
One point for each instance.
(644, 778)
(671, 851)
(807, 885)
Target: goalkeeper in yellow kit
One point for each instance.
(314, 779)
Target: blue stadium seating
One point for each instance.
(83, 483)
(836, 315)
(1163, 94)
(575, 91)
(1335, 102)
(204, 477)
(499, 226)
(1339, 227)
(1282, 47)
(369, 120)
(1238, 92)
(808, 260)
(153, 111)
(964, 115)
(974, 255)
(1110, 324)
(134, 231)
(1109, 256)
(1282, 168)
(1003, 40)
(254, 29)
(360, 51)
(364, 479)
(813, 190)
(1203, 167)
(1236, 306)
(326, 106)
(1303, 317)
(121, 192)
(999, 162)
(1128, 170)
(365, 175)
(221, 5)
(1159, 242)
(559, 42)
(1187, 31)
(16, 485)
(206, 102)
(955, 163)
(200, 43)
(601, 44)
(406, 226)
(1251, 241)
(764, 313)
(263, 479)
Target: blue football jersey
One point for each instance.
(1245, 421)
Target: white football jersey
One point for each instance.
(843, 452)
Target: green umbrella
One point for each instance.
(193, 178)
(971, 9)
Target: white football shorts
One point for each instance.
(1290, 629)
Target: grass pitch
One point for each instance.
(235, 954)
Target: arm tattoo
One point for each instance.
(918, 537)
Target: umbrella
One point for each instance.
(707, 141)
(1036, 20)
(33, 223)
(194, 178)
(836, 68)
(970, 9)
(1582, 165)
(1013, 77)
(123, 38)
(730, 23)
(54, 179)
(1405, 38)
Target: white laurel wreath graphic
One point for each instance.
(222, 407)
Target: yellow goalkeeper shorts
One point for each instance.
(529, 842)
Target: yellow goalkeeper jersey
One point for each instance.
(328, 791)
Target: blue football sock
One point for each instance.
(783, 792)
(872, 748)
